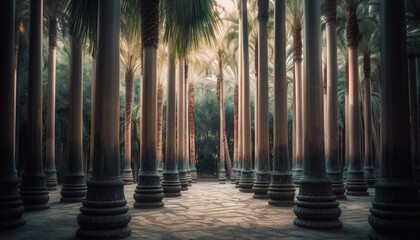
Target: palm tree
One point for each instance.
(331, 131)
(130, 64)
(356, 184)
(220, 100)
(53, 11)
(294, 18)
(149, 192)
(191, 110)
(369, 43)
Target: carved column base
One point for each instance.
(316, 206)
(34, 192)
(222, 176)
(370, 176)
(171, 184)
(74, 188)
(356, 184)
(149, 192)
(345, 170)
(238, 178)
(127, 176)
(183, 179)
(160, 173)
(233, 177)
(261, 184)
(11, 204)
(247, 181)
(281, 190)
(194, 175)
(395, 212)
(337, 185)
(189, 178)
(297, 175)
(104, 212)
(51, 179)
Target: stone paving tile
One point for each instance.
(208, 210)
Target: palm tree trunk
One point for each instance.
(10, 202)
(239, 108)
(180, 129)
(331, 117)
(50, 171)
(356, 184)
(314, 167)
(171, 184)
(256, 104)
(222, 171)
(159, 128)
(92, 113)
(127, 174)
(262, 180)
(396, 195)
(346, 119)
(74, 185)
(186, 126)
(369, 169)
(191, 111)
(34, 189)
(105, 203)
(281, 191)
(149, 192)
(247, 174)
(414, 120)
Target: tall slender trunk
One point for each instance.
(239, 108)
(281, 191)
(191, 111)
(10, 201)
(180, 128)
(92, 113)
(50, 171)
(369, 169)
(186, 125)
(256, 100)
(222, 171)
(346, 119)
(127, 173)
(34, 189)
(247, 174)
(159, 127)
(331, 116)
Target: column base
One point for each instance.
(149, 192)
(51, 179)
(194, 175)
(370, 176)
(34, 192)
(281, 190)
(238, 178)
(345, 170)
(395, 210)
(11, 204)
(297, 175)
(74, 188)
(183, 179)
(127, 176)
(337, 185)
(160, 173)
(104, 212)
(171, 184)
(189, 178)
(356, 184)
(261, 184)
(316, 206)
(222, 176)
(233, 176)
(247, 181)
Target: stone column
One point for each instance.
(414, 119)
(149, 192)
(346, 120)
(182, 170)
(49, 168)
(240, 90)
(92, 115)
(316, 206)
(74, 185)
(395, 211)
(222, 171)
(11, 205)
(332, 159)
(187, 126)
(263, 173)
(104, 211)
(34, 189)
(171, 184)
(247, 173)
(282, 190)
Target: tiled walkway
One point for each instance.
(207, 210)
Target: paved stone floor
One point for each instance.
(208, 210)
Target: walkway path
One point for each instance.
(207, 210)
